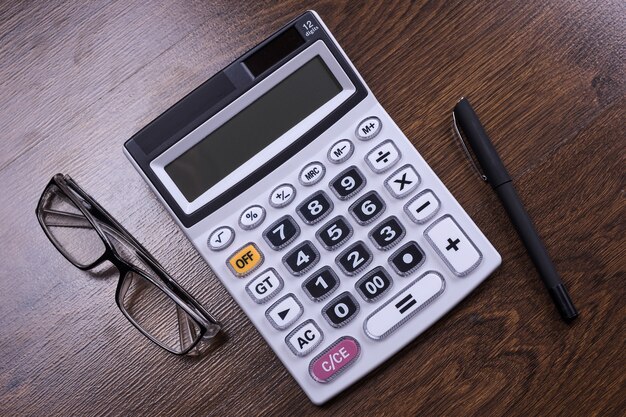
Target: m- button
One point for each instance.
(245, 260)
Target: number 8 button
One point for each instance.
(315, 208)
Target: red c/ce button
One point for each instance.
(334, 359)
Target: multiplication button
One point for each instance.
(284, 312)
(304, 338)
(383, 157)
(395, 312)
(453, 245)
(340, 151)
(402, 182)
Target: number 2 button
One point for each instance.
(315, 208)
(302, 258)
(281, 233)
(354, 259)
(334, 233)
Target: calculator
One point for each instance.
(312, 208)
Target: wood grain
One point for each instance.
(548, 78)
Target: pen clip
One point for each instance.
(466, 150)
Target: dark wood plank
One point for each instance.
(547, 78)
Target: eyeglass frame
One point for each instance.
(209, 326)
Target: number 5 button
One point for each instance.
(334, 233)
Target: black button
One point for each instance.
(387, 233)
(302, 258)
(281, 233)
(348, 183)
(374, 284)
(321, 284)
(354, 259)
(341, 310)
(367, 208)
(334, 233)
(407, 259)
(315, 208)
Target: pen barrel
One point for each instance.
(536, 249)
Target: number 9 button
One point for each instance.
(348, 183)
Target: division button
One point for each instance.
(348, 183)
(453, 245)
(312, 173)
(383, 157)
(354, 259)
(387, 233)
(252, 217)
(315, 208)
(245, 260)
(374, 284)
(407, 259)
(282, 195)
(284, 312)
(301, 258)
(220, 238)
(340, 151)
(367, 208)
(304, 338)
(402, 182)
(395, 312)
(422, 207)
(264, 286)
(340, 310)
(281, 233)
(334, 233)
(335, 359)
(321, 284)
(368, 128)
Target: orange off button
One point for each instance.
(245, 260)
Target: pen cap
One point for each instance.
(480, 143)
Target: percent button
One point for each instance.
(252, 217)
(335, 359)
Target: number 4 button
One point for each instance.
(302, 258)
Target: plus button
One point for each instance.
(453, 244)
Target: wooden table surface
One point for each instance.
(548, 78)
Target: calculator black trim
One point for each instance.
(218, 92)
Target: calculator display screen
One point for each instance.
(252, 129)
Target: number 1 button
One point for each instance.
(321, 284)
(281, 233)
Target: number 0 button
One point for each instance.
(315, 208)
(341, 310)
(302, 258)
(354, 259)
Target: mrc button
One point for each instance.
(335, 359)
(312, 173)
(245, 260)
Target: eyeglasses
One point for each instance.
(147, 295)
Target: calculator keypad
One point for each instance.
(321, 284)
(315, 208)
(281, 233)
(334, 233)
(341, 310)
(302, 258)
(367, 208)
(348, 183)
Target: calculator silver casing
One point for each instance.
(373, 352)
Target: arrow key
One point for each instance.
(284, 312)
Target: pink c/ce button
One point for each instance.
(334, 359)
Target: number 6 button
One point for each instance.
(341, 310)
(367, 208)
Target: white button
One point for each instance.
(383, 157)
(266, 285)
(284, 312)
(252, 217)
(312, 173)
(340, 151)
(304, 338)
(221, 238)
(453, 245)
(402, 182)
(403, 306)
(422, 207)
(282, 195)
(368, 128)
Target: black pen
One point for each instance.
(496, 174)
